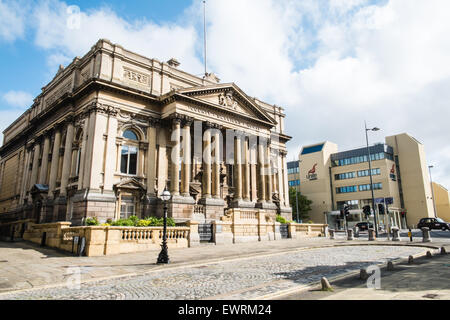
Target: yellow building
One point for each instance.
(333, 179)
(442, 198)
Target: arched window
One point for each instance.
(129, 154)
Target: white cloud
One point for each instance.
(18, 99)
(12, 24)
(144, 37)
(331, 64)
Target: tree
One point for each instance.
(304, 204)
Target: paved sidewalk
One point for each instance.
(425, 279)
(24, 265)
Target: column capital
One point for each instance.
(153, 122)
(187, 121)
(216, 126)
(176, 118)
(208, 125)
(282, 153)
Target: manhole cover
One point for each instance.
(430, 296)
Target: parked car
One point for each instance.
(363, 225)
(433, 223)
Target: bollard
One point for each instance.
(410, 260)
(331, 231)
(349, 234)
(443, 251)
(390, 266)
(372, 235)
(326, 284)
(356, 232)
(395, 234)
(410, 235)
(426, 234)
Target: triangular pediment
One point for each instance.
(129, 183)
(229, 98)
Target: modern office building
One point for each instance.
(332, 179)
(114, 129)
(442, 201)
(293, 170)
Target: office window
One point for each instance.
(346, 189)
(365, 173)
(366, 187)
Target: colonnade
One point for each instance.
(251, 163)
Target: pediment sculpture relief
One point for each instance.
(227, 100)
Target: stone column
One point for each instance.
(44, 163)
(269, 175)
(253, 174)
(285, 180)
(34, 170)
(26, 170)
(216, 164)
(151, 159)
(83, 145)
(186, 165)
(246, 166)
(261, 173)
(175, 183)
(67, 159)
(55, 162)
(110, 151)
(206, 177)
(238, 168)
(280, 185)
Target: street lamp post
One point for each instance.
(432, 191)
(370, 175)
(164, 254)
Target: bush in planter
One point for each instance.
(281, 219)
(123, 223)
(92, 221)
(159, 222)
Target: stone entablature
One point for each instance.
(99, 124)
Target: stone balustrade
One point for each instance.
(237, 226)
(106, 240)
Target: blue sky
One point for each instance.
(27, 67)
(332, 64)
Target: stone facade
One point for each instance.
(113, 129)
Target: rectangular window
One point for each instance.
(128, 160)
(127, 207)
(124, 160)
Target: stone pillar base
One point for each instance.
(242, 204)
(179, 207)
(266, 205)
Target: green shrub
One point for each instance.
(143, 223)
(123, 223)
(92, 221)
(134, 221)
(281, 219)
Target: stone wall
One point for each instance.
(238, 225)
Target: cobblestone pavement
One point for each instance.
(425, 279)
(243, 278)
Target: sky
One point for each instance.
(331, 64)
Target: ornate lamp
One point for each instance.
(164, 254)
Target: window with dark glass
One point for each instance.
(128, 158)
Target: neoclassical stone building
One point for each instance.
(113, 129)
